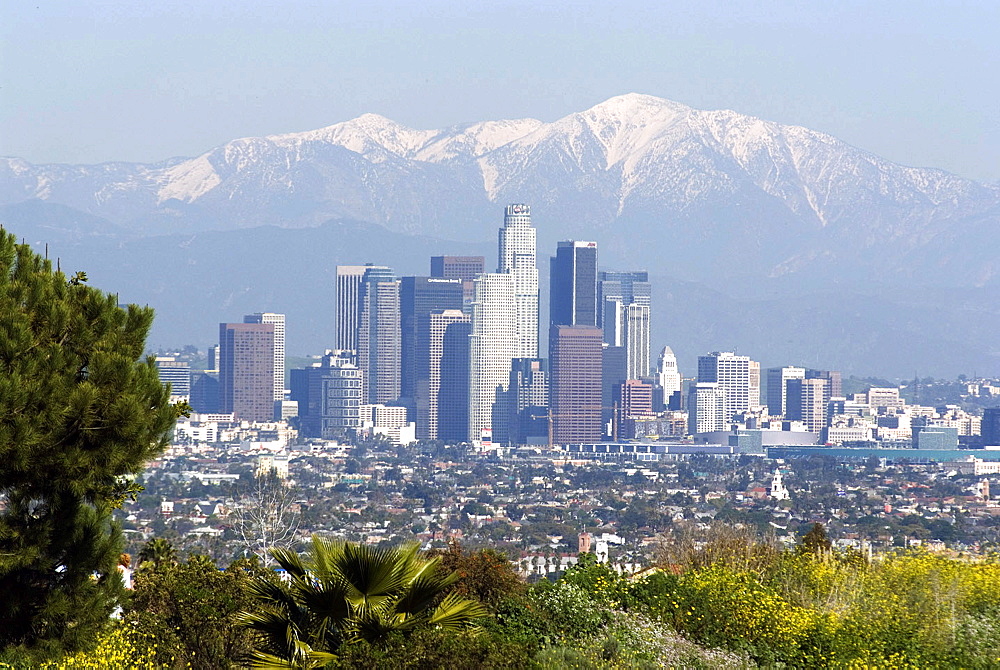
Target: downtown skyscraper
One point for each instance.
(737, 377)
(517, 247)
(623, 303)
(348, 305)
(378, 340)
(246, 370)
(573, 284)
(493, 344)
(278, 321)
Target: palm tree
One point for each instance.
(156, 553)
(344, 593)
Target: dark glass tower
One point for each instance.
(418, 297)
(573, 284)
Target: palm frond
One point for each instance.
(456, 612)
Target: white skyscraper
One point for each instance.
(707, 408)
(517, 258)
(493, 343)
(278, 321)
(636, 319)
(738, 376)
(666, 371)
(348, 305)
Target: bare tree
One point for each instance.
(265, 517)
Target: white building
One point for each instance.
(737, 376)
(348, 305)
(667, 374)
(493, 343)
(707, 408)
(517, 257)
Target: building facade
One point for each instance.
(278, 321)
(516, 256)
(573, 284)
(418, 297)
(737, 376)
(777, 388)
(465, 268)
(348, 305)
(575, 393)
(378, 343)
(528, 403)
(667, 374)
(442, 375)
(493, 343)
(246, 370)
(328, 395)
(707, 408)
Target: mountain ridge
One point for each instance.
(716, 200)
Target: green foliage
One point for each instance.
(81, 411)
(485, 575)
(431, 649)
(345, 593)
(190, 610)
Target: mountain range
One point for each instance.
(751, 227)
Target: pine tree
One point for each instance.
(81, 409)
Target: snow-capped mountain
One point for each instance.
(702, 192)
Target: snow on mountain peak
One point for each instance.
(367, 134)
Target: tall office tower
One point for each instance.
(528, 400)
(575, 364)
(466, 268)
(493, 343)
(667, 374)
(777, 388)
(733, 374)
(835, 386)
(990, 427)
(379, 335)
(176, 373)
(348, 305)
(329, 395)
(573, 284)
(635, 327)
(621, 287)
(419, 296)
(442, 375)
(623, 306)
(246, 370)
(707, 408)
(807, 401)
(517, 258)
(278, 321)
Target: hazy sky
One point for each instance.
(141, 80)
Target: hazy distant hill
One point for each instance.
(757, 214)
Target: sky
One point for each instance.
(85, 82)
